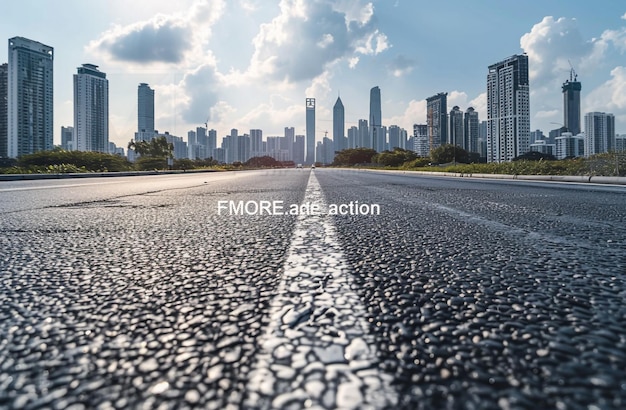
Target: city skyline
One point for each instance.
(259, 77)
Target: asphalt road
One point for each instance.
(145, 292)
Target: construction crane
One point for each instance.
(572, 73)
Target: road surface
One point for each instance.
(241, 290)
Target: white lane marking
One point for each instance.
(317, 351)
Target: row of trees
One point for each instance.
(444, 154)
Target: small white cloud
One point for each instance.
(327, 39)
(353, 62)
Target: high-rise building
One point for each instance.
(211, 141)
(4, 134)
(145, 108)
(310, 131)
(378, 139)
(363, 138)
(436, 120)
(420, 140)
(29, 97)
(298, 149)
(353, 134)
(470, 130)
(620, 143)
(256, 143)
(67, 138)
(456, 127)
(339, 125)
(569, 146)
(599, 133)
(508, 109)
(395, 137)
(91, 109)
(571, 104)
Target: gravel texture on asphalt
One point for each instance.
(144, 301)
(460, 294)
(485, 295)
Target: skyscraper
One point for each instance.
(145, 108)
(599, 133)
(363, 140)
(456, 127)
(470, 130)
(420, 140)
(436, 120)
(378, 140)
(310, 131)
(29, 101)
(4, 135)
(91, 109)
(508, 109)
(338, 126)
(571, 103)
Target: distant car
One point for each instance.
(313, 166)
(299, 166)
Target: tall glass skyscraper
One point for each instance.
(29, 97)
(508, 109)
(91, 109)
(377, 138)
(145, 108)
(339, 126)
(310, 131)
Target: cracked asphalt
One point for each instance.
(133, 292)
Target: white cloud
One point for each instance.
(415, 113)
(610, 96)
(164, 39)
(308, 36)
(551, 45)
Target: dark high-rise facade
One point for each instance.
(436, 120)
(456, 127)
(339, 125)
(30, 97)
(470, 130)
(571, 104)
(310, 131)
(4, 129)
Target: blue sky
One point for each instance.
(250, 63)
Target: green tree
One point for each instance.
(394, 158)
(157, 147)
(449, 153)
(353, 156)
(87, 160)
(262, 162)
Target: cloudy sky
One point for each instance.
(251, 63)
